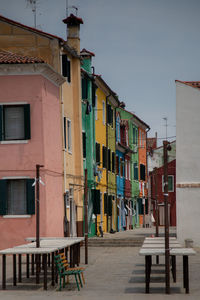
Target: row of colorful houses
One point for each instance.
(56, 112)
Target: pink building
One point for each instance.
(30, 134)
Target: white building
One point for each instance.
(188, 160)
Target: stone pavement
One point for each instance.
(113, 273)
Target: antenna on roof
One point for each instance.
(165, 119)
(33, 4)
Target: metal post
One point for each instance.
(86, 218)
(38, 205)
(167, 278)
(156, 200)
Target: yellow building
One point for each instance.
(64, 57)
(106, 103)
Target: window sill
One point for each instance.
(16, 216)
(14, 142)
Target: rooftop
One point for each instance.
(7, 57)
(195, 84)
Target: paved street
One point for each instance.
(113, 273)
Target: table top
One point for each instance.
(47, 245)
(161, 251)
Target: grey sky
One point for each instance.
(141, 47)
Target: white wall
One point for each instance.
(188, 161)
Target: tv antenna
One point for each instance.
(73, 7)
(166, 125)
(33, 4)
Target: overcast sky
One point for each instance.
(140, 46)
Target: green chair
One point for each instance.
(62, 272)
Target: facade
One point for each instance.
(65, 59)
(108, 101)
(188, 152)
(88, 133)
(156, 177)
(29, 111)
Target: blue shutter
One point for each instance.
(1, 122)
(30, 196)
(3, 197)
(27, 122)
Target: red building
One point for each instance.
(157, 179)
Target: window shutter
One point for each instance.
(30, 196)
(104, 157)
(64, 65)
(140, 207)
(110, 205)
(96, 201)
(113, 162)
(109, 160)
(142, 172)
(94, 87)
(27, 122)
(84, 88)
(1, 119)
(135, 171)
(98, 153)
(105, 203)
(146, 206)
(69, 70)
(84, 144)
(3, 197)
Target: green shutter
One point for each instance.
(1, 122)
(84, 88)
(105, 203)
(27, 122)
(3, 197)
(96, 201)
(110, 205)
(84, 144)
(30, 196)
(94, 87)
(69, 70)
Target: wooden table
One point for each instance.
(48, 247)
(157, 249)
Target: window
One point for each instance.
(104, 113)
(98, 154)
(134, 136)
(104, 150)
(135, 171)
(142, 172)
(15, 122)
(84, 88)
(109, 115)
(118, 129)
(170, 183)
(17, 197)
(117, 164)
(84, 144)
(66, 67)
(113, 162)
(109, 160)
(126, 130)
(121, 167)
(69, 136)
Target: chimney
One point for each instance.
(73, 30)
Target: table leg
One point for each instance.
(37, 268)
(14, 270)
(147, 272)
(66, 253)
(32, 264)
(186, 274)
(52, 270)
(45, 270)
(173, 260)
(4, 272)
(71, 257)
(20, 268)
(78, 254)
(49, 260)
(157, 259)
(27, 265)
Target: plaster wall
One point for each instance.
(43, 148)
(188, 157)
